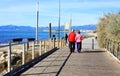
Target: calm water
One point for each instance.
(6, 36)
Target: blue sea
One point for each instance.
(6, 36)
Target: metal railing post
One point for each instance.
(92, 43)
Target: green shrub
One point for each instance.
(108, 27)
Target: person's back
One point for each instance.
(78, 38)
(66, 36)
(71, 37)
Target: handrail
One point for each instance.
(21, 69)
(42, 47)
(113, 47)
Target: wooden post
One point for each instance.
(53, 42)
(23, 54)
(49, 43)
(9, 57)
(113, 48)
(118, 49)
(110, 45)
(27, 45)
(33, 50)
(45, 46)
(61, 43)
(44, 43)
(40, 47)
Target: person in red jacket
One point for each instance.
(71, 39)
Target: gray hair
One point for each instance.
(73, 30)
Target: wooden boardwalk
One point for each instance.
(89, 62)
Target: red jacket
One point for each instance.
(71, 37)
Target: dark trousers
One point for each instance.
(79, 46)
(66, 41)
(72, 46)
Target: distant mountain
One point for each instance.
(29, 28)
(80, 27)
(16, 28)
(85, 27)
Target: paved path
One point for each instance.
(87, 63)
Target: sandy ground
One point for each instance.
(4, 51)
(19, 48)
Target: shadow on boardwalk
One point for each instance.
(89, 62)
(93, 51)
(52, 65)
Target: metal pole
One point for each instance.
(92, 43)
(70, 23)
(37, 21)
(59, 24)
(50, 30)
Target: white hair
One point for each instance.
(73, 30)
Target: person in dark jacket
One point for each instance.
(66, 37)
(71, 39)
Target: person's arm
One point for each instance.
(81, 37)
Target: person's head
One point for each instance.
(73, 30)
(78, 32)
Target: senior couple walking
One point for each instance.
(75, 38)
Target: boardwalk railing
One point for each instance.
(113, 47)
(20, 54)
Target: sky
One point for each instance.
(82, 12)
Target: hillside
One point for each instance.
(29, 28)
